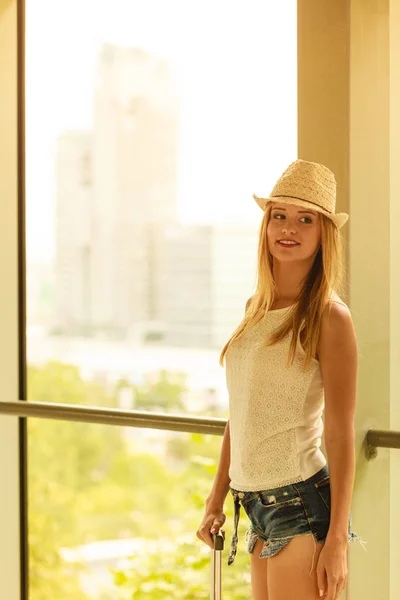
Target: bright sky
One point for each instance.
(234, 63)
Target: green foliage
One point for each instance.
(163, 394)
(67, 463)
(181, 572)
(180, 565)
(93, 482)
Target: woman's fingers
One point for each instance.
(321, 581)
(210, 525)
(217, 524)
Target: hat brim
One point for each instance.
(338, 218)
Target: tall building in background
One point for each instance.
(74, 233)
(135, 155)
(40, 301)
(116, 192)
(208, 281)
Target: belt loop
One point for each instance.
(235, 538)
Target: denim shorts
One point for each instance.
(279, 514)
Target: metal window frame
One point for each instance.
(22, 425)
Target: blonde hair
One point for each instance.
(322, 281)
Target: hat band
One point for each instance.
(303, 200)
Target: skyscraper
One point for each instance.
(74, 233)
(110, 259)
(135, 155)
(211, 272)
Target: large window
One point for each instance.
(149, 125)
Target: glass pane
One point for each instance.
(113, 514)
(149, 125)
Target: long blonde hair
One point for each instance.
(323, 279)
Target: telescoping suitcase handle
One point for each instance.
(216, 583)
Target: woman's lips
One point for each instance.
(287, 244)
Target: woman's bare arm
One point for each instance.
(338, 358)
(214, 516)
(220, 487)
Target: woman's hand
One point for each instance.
(212, 522)
(332, 569)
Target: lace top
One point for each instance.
(275, 410)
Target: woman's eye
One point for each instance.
(282, 216)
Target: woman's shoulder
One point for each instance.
(337, 328)
(336, 303)
(248, 303)
(336, 312)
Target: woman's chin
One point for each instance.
(286, 257)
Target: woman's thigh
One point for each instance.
(259, 572)
(289, 574)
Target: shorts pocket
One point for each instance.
(323, 488)
(270, 501)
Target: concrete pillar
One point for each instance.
(348, 112)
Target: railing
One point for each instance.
(374, 439)
(380, 438)
(114, 416)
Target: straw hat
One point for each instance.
(309, 185)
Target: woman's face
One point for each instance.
(294, 233)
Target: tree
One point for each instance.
(91, 482)
(65, 461)
(179, 565)
(164, 394)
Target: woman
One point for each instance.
(293, 354)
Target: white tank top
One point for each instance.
(275, 410)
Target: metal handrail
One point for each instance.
(374, 439)
(380, 438)
(114, 416)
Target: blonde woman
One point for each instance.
(293, 356)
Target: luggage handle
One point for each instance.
(216, 584)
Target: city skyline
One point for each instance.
(238, 105)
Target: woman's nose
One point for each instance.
(289, 227)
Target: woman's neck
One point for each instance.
(289, 280)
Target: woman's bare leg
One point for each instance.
(289, 571)
(259, 569)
